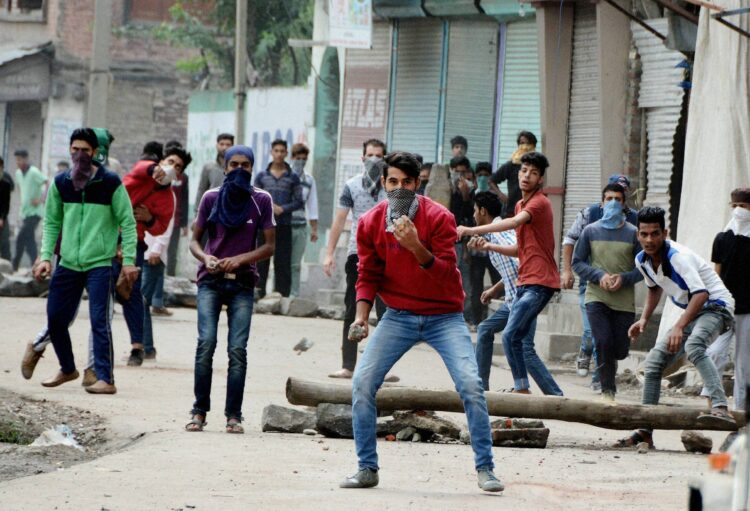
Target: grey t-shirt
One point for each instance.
(355, 196)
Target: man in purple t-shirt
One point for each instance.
(232, 216)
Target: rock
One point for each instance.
(179, 291)
(696, 442)
(530, 437)
(268, 305)
(642, 448)
(18, 286)
(427, 423)
(569, 357)
(406, 433)
(334, 420)
(6, 266)
(287, 420)
(331, 312)
(416, 437)
(465, 436)
(299, 308)
(303, 345)
(310, 432)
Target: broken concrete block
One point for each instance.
(179, 291)
(507, 423)
(334, 420)
(298, 307)
(416, 437)
(406, 433)
(6, 266)
(331, 312)
(18, 286)
(427, 422)
(531, 437)
(268, 305)
(696, 442)
(286, 420)
(465, 436)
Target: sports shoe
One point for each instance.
(136, 357)
(30, 360)
(582, 364)
(89, 378)
(150, 355)
(596, 386)
(487, 481)
(365, 478)
(160, 311)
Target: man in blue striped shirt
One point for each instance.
(488, 208)
(286, 190)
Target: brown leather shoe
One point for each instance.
(30, 359)
(89, 377)
(60, 378)
(101, 387)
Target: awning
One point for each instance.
(25, 72)
(11, 53)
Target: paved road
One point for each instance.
(172, 469)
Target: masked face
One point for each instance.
(613, 216)
(298, 166)
(170, 174)
(371, 168)
(741, 214)
(400, 202)
(483, 183)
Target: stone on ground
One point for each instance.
(286, 420)
(696, 442)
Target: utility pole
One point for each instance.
(240, 64)
(96, 105)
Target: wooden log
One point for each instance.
(595, 413)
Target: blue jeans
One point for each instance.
(65, 292)
(213, 292)
(486, 337)
(588, 344)
(132, 308)
(697, 336)
(396, 333)
(153, 279)
(528, 304)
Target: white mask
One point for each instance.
(169, 175)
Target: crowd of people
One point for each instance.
(421, 265)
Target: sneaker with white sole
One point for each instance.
(365, 478)
(582, 364)
(487, 481)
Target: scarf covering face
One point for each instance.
(613, 216)
(373, 171)
(740, 222)
(82, 170)
(522, 149)
(298, 167)
(400, 202)
(232, 207)
(170, 174)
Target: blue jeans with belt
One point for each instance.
(213, 292)
(396, 333)
(529, 302)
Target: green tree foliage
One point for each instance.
(270, 23)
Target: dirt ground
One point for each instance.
(139, 457)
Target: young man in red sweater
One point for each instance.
(149, 186)
(406, 256)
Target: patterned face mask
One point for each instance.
(400, 202)
(373, 171)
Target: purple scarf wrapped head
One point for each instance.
(83, 169)
(232, 207)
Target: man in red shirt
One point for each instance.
(538, 277)
(406, 256)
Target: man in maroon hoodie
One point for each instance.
(149, 186)
(406, 256)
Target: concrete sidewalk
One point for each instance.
(170, 468)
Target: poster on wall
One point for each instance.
(59, 144)
(350, 23)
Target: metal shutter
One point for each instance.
(661, 95)
(583, 168)
(415, 122)
(521, 99)
(472, 80)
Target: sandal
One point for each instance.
(636, 437)
(717, 416)
(234, 426)
(196, 424)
